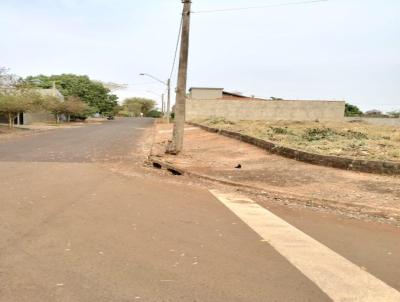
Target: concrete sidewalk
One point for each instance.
(230, 161)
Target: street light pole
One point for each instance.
(168, 84)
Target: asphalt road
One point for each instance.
(72, 230)
(110, 141)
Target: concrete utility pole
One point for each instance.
(169, 100)
(175, 147)
(162, 105)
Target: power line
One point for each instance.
(256, 7)
(176, 48)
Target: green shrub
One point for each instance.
(315, 134)
(154, 113)
(354, 134)
(279, 130)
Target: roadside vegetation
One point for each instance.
(347, 139)
(354, 111)
(82, 97)
(136, 107)
(94, 93)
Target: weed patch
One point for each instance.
(356, 140)
(316, 134)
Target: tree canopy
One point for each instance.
(394, 114)
(135, 106)
(15, 102)
(94, 93)
(374, 113)
(8, 80)
(72, 106)
(352, 110)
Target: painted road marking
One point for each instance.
(339, 278)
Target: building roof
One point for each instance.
(205, 88)
(226, 95)
(50, 92)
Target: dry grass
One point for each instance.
(357, 140)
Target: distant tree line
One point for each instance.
(354, 111)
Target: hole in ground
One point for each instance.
(157, 165)
(174, 172)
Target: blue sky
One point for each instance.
(339, 49)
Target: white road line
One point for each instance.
(339, 278)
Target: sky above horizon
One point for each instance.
(336, 50)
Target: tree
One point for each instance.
(154, 113)
(394, 114)
(55, 106)
(374, 113)
(7, 80)
(136, 106)
(94, 93)
(116, 110)
(75, 107)
(352, 110)
(14, 102)
(113, 86)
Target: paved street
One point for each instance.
(111, 141)
(73, 230)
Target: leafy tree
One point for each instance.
(116, 110)
(55, 106)
(136, 106)
(154, 114)
(276, 99)
(132, 108)
(14, 102)
(75, 107)
(94, 93)
(395, 113)
(374, 113)
(352, 110)
(113, 86)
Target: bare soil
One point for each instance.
(219, 157)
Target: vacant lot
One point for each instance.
(356, 140)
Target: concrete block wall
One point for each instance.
(36, 117)
(265, 110)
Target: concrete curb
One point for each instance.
(368, 166)
(353, 207)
